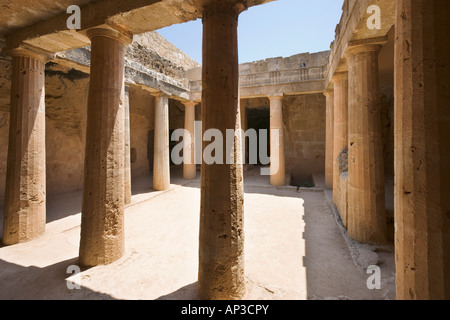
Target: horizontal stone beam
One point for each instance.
(353, 27)
(133, 16)
(135, 73)
(293, 88)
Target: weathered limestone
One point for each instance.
(102, 230)
(340, 81)
(243, 114)
(277, 162)
(366, 208)
(329, 139)
(24, 216)
(221, 241)
(422, 149)
(189, 166)
(161, 162)
(127, 164)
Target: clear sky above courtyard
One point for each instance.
(280, 28)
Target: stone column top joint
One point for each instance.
(221, 7)
(365, 45)
(328, 92)
(340, 76)
(189, 103)
(31, 52)
(111, 32)
(160, 94)
(278, 95)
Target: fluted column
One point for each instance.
(161, 153)
(329, 139)
(189, 166)
(243, 114)
(24, 215)
(366, 207)
(102, 229)
(221, 245)
(340, 81)
(277, 163)
(422, 149)
(127, 165)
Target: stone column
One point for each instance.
(127, 165)
(161, 153)
(24, 216)
(277, 163)
(329, 139)
(422, 149)
(340, 81)
(243, 114)
(102, 230)
(366, 218)
(221, 251)
(189, 166)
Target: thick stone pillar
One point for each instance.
(24, 216)
(366, 220)
(127, 165)
(277, 163)
(422, 149)
(161, 151)
(329, 139)
(102, 230)
(340, 81)
(243, 114)
(189, 166)
(221, 246)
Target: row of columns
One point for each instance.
(107, 184)
(354, 108)
(422, 147)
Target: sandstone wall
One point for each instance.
(318, 59)
(304, 123)
(66, 101)
(387, 126)
(142, 115)
(5, 89)
(156, 53)
(304, 118)
(65, 104)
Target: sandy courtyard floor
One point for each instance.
(294, 249)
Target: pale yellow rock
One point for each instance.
(329, 139)
(366, 216)
(161, 162)
(189, 166)
(24, 217)
(221, 243)
(277, 162)
(340, 81)
(422, 152)
(102, 229)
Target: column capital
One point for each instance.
(223, 7)
(276, 96)
(328, 92)
(338, 76)
(189, 103)
(30, 52)
(158, 94)
(365, 45)
(115, 33)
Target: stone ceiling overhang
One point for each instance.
(45, 28)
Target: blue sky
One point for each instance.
(277, 29)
